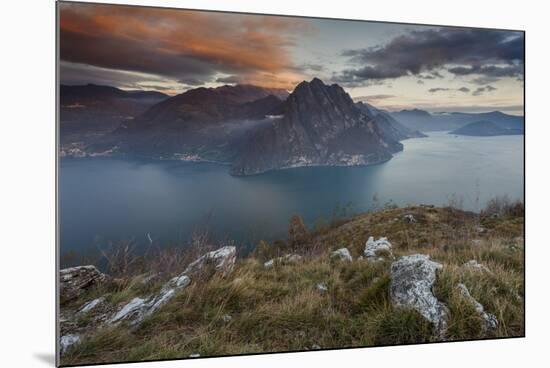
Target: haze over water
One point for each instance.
(111, 199)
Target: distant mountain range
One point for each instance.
(424, 121)
(253, 129)
(89, 111)
(485, 129)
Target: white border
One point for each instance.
(28, 161)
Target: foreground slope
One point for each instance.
(295, 294)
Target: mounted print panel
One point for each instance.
(234, 183)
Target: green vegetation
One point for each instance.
(281, 309)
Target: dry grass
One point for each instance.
(280, 308)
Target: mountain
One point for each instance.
(421, 120)
(89, 111)
(485, 129)
(388, 124)
(320, 125)
(502, 120)
(424, 121)
(200, 124)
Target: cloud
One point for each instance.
(490, 71)
(481, 90)
(442, 89)
(433, 90)
(373, 97)
(231, 79)
(424, 53)
(420, 81)
(187, 46)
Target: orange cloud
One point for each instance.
(189, 46)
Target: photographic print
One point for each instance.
(233, 183)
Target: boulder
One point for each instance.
(342, 254)
(66, 342)
(74, 280)
(377, 250)
(412, 279)
(222, 260)
(227, 318)
(490, 321)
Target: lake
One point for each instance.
(109, 199)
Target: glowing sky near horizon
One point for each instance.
(392, 66)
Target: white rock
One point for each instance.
(137, 309)
(490, 320)
(67, 341)
(409, 218)
(223, 260)
(475, 266)
(195, 355)
(227, 318)
(322, 287)
(91, 305)
(412, 279)
(289, 258)
(129, 309)
(374, 247)
(342, 254)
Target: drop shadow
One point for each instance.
(46, 358)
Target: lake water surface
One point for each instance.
(107, 199)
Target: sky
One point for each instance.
(392, 66)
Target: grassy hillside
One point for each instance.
(281, 308)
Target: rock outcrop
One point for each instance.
(89, 306)
(377, 250)
(222, 260)
(412, 279)
(342, 254)
(74, 280)
(490, 321)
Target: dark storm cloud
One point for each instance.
(489, 70)
(424, 53)
(190, 47)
